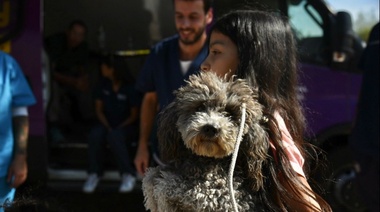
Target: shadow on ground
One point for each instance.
(69, 197)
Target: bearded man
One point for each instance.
(169, 64)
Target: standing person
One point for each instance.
(117, 109)
(68, 55)
(170, 62)
(259, 47)
(364, 139)
(15, 96)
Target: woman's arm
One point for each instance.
(304, 199)
(305, 193)
(99, 108)
(134, 115)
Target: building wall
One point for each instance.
(128, 24)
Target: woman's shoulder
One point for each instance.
(293, 153)
(282, 126)
(104, 83)
(127, 88)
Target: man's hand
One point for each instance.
(18, 171)
(142, 159)
(148, 112)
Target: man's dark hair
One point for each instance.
(78, 22)
(207, 4)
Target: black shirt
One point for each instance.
(117, 105)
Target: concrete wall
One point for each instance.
(128, 24)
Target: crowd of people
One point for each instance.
(110, 105)
(253, 45)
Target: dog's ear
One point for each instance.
(254, 154)
(169, 139)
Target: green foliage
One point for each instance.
(364, 33)
(363, 24)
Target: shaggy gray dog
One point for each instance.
(197, 134)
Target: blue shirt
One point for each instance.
(161, 72)
(117, 105)
(14, 92)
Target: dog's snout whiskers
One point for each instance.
(209, 131)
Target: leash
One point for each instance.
(234, 156)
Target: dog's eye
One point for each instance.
(230, 112)
(201, 107)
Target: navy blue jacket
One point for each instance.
(162, 71)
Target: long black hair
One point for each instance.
(268, 61)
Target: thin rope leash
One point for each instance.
(234, 156)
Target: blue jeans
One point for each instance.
(6, 192)
(117, 140)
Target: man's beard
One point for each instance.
(197, 37)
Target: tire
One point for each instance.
(338, 178)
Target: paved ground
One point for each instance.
(69, 197)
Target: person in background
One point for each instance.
(170, 62)
(15, 96)
(68, 56)
(117, 108)
(364, 139)
(259, 47)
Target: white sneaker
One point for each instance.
(91, 183)
(127, 183)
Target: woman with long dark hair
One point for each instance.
(259, 47)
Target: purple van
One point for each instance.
(330, 82)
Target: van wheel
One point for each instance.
(338, 180)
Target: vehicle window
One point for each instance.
(364, 14)
(306, 24)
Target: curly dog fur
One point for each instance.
(197, 134)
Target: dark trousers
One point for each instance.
(368, 181)
(117, 140)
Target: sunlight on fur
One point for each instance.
(197, 134)
(215, 141)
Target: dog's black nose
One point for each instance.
(209, 130)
